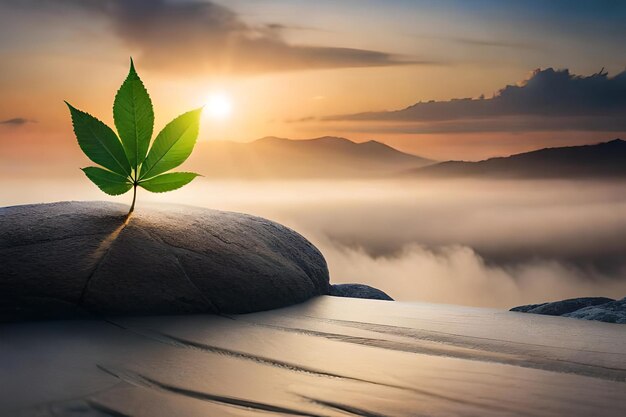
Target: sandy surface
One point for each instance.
(327, 357)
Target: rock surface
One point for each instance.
(67, 259)
(587, 308)
(358, 291)
(611, 312)
(558, 308)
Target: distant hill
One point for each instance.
(602, 160)
(325, 157)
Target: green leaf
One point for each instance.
(99, 142)
(134, 117)
(109, 182)
(173, 145)
(168, 182)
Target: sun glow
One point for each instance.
(219, 106)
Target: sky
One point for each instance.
(443, 79)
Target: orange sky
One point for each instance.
(287, 65)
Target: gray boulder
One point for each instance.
(74, 258)
(358, 291)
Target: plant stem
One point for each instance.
(132, 206)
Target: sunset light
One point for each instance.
(219, 106)
(313, 208)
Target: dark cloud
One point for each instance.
(16, 121)
(511, 124)
(467, 41)
(492, 44)
(549, 100)
(282, 27)
(200, 36)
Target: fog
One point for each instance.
(483, 243)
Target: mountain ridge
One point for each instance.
(336, 157)
(604, 159)
(321, 157)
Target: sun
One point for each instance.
(219, 105)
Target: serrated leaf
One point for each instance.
(173, 145)
(134, 117)
(99, 142)
(168, 182)
(109, 182)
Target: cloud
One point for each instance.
(548, 100)
(506, 223)
(492, 44)
(301, 119)
(201, 36)
(16, 121)
(282, 27)
(458, 275)
(510, 124)
(466, 41)
(485, 243)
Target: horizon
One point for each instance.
(489, 80)
(601, 142)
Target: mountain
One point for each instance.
(325, 157)
(602, 160)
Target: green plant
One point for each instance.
(125, 161)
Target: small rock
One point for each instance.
(358, 291)
(558, 308)
(586, 308)
(527, 308)
(611, 312)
